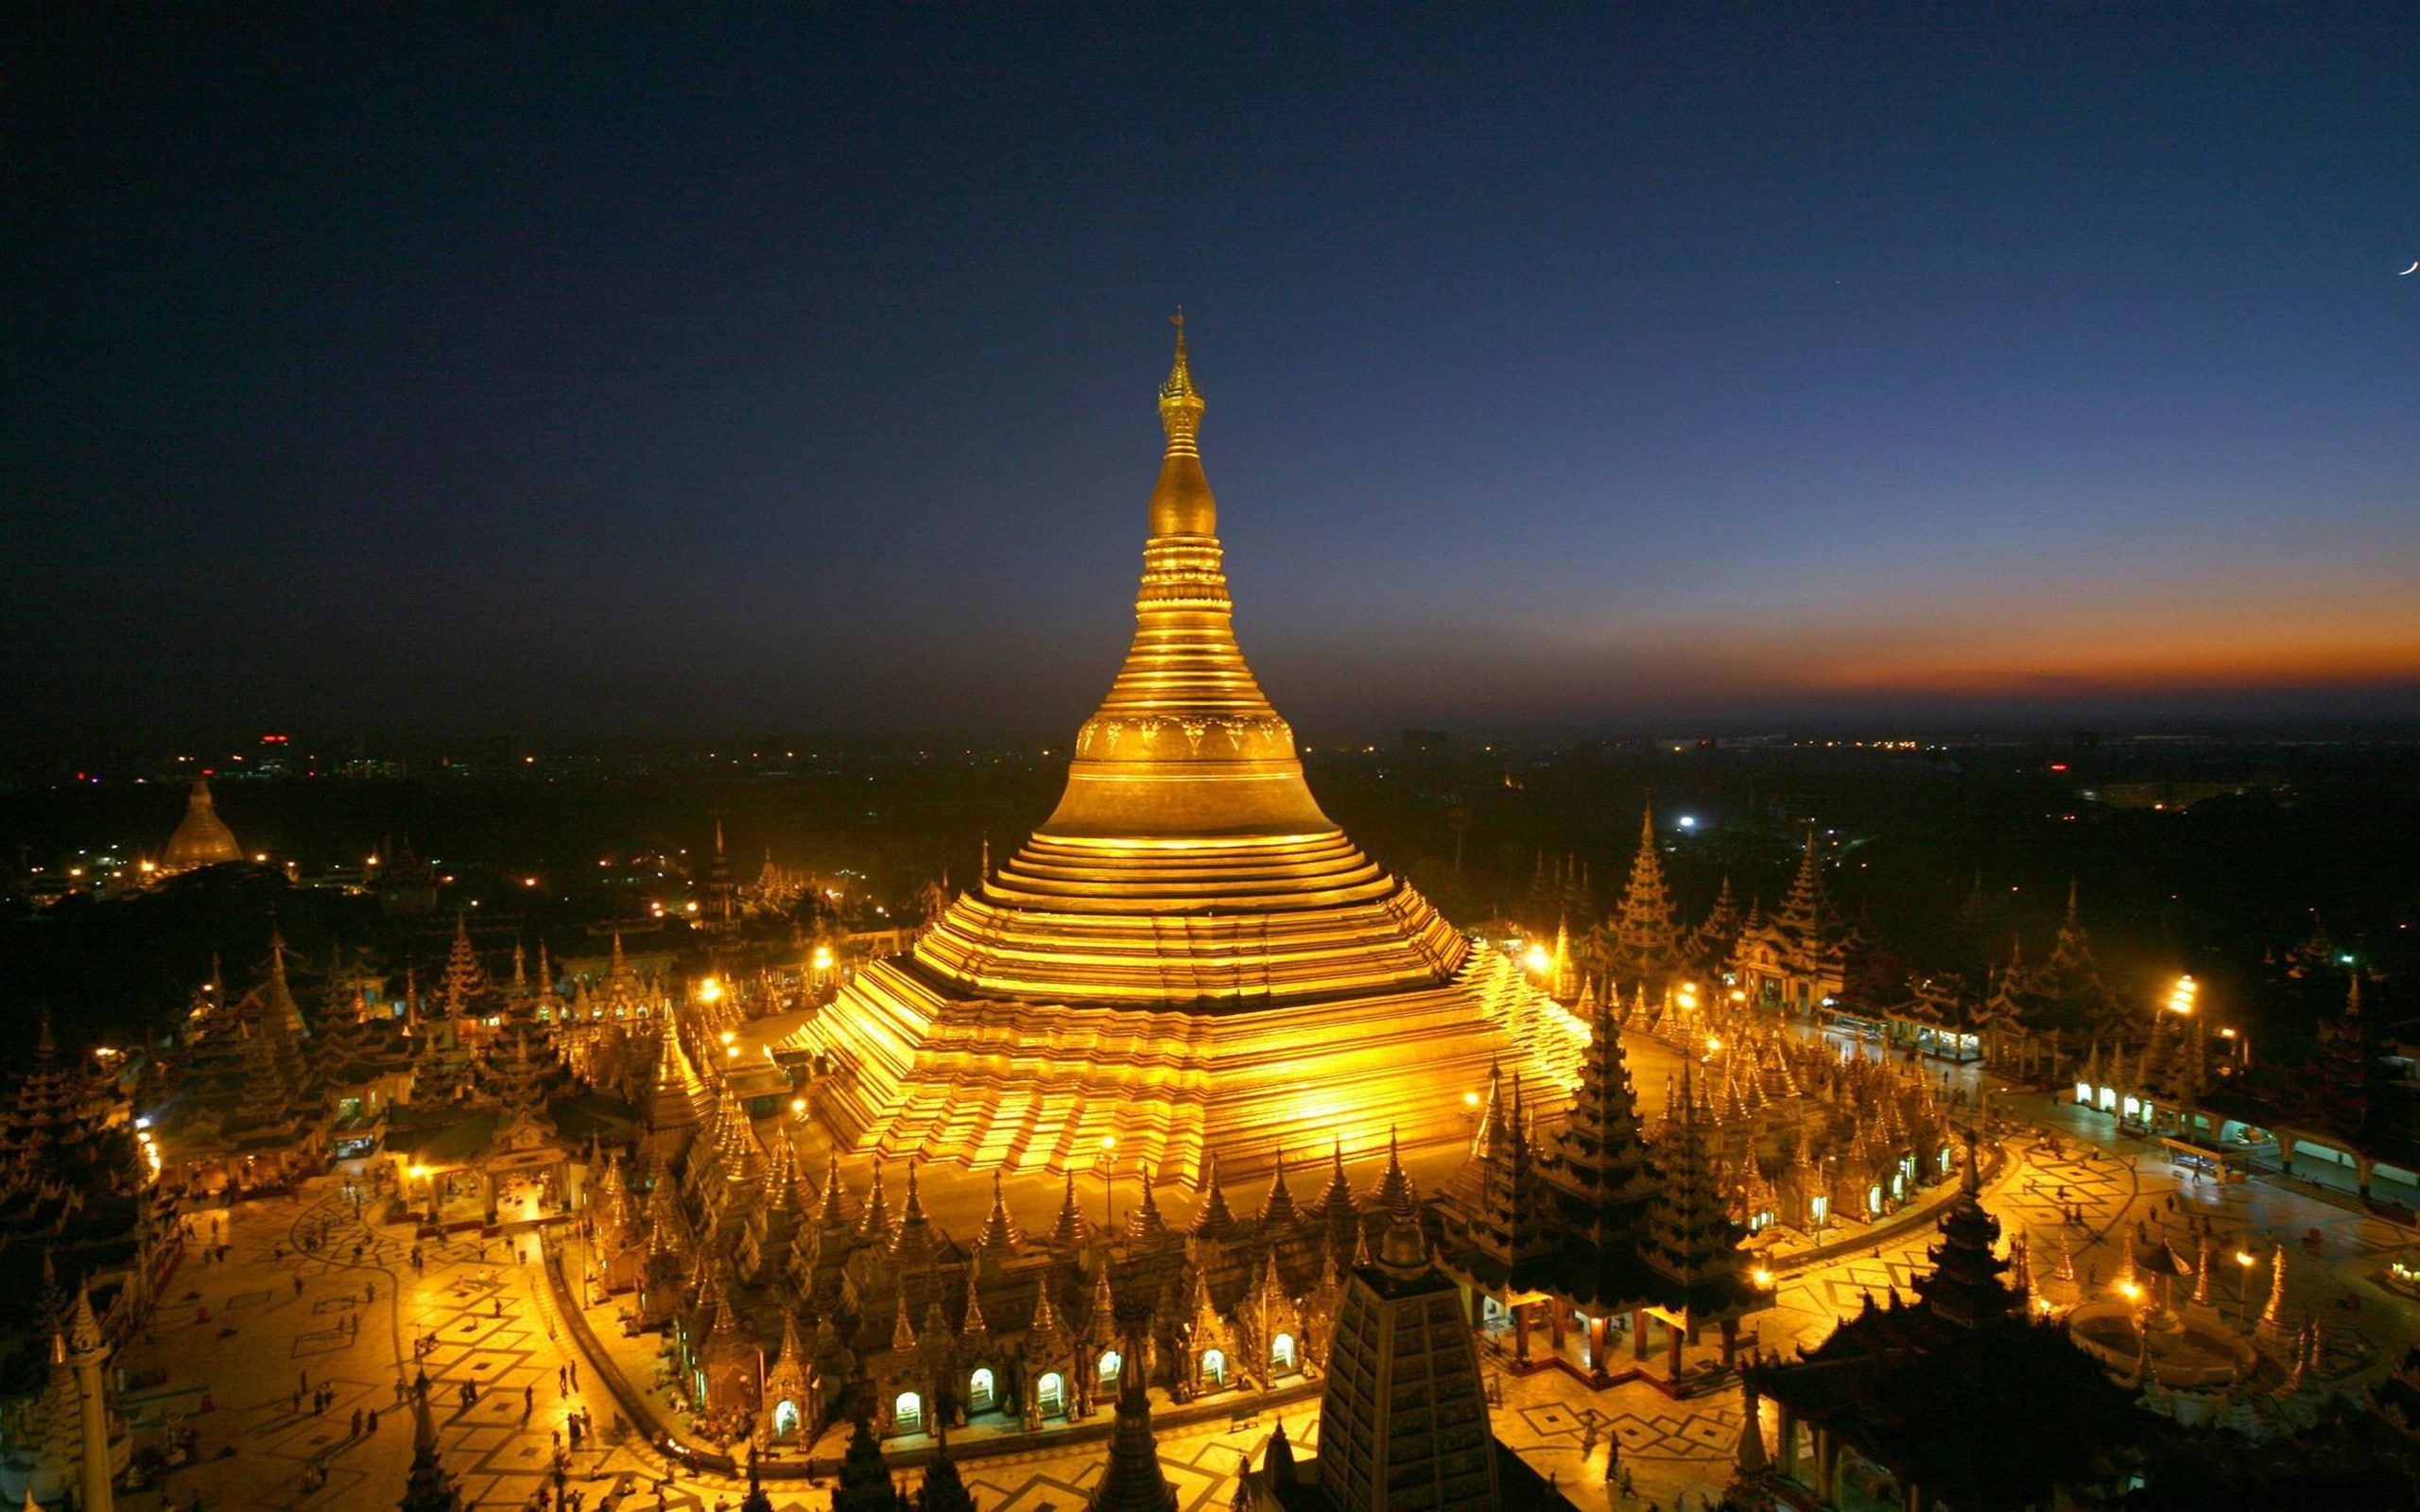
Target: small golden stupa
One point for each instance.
(1188, 958)
(202, 838)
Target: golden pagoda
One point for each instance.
(202, 838)
(1188, 958)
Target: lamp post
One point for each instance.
(2244, 1261)
(1108, 1160)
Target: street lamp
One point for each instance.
(2244, 1261)
(1109, 1180)
(2181, 996)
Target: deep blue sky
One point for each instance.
(1630, 367)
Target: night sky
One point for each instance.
(407, 371)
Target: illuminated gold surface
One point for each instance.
(202, 838)
(1189, 957)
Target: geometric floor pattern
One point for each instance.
(237, 1340)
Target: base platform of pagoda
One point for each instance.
(1026, 1086)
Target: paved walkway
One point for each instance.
(237, 1340)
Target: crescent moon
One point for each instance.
(2408, 271)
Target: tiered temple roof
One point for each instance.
(1960, 1395)
(1646, 948)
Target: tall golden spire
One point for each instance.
(1181, 504)
(1185, 742)
(1186, 920)
(1181, 404)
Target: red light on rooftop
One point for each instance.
(2058, 766)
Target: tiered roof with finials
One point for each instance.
(1962, 1394)
(249, 1092)
(1709, 945)
(1691, 1249)
(1592, 1214)
(2064, 993)
(1645, 949)
(1806, 938)
(1187, 918)
(75, 1203)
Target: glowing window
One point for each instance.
(907, 1412)
(1110, 1361)
(1281, 1353)
(1214, 1367)
(980, 1391)
(1051, 1392)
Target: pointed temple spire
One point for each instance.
(427, 1487)
(1599, 1153)
(833, 1212)
(1133, 1481)
(1969, 1284)
(1145, 762)
(1278, 1212)
(1144, 1225)
(1394, 1194)
(1646, 945)
(1070, 1231)
(999, 1232)
(912, 1244)
(874, 1222)
(1187, 871)
(1214, 1221)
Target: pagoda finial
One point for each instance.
(1180, 407)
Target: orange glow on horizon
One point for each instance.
(2006, 641)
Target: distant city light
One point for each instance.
(1688, 821)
